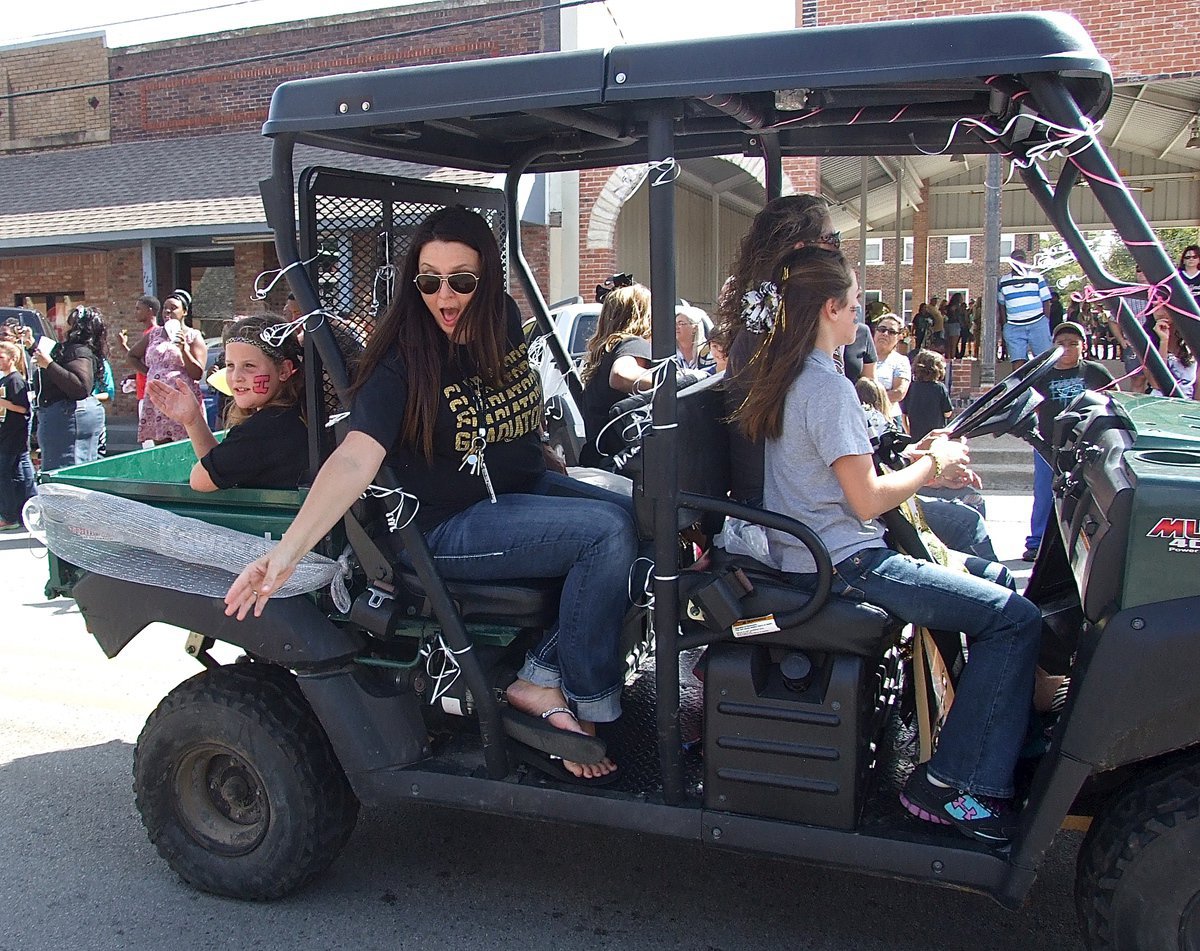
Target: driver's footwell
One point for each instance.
(632, 744)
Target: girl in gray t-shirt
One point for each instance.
(819, 468)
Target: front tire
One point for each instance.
(1138, 879)
(237, 785)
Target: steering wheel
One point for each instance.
(1005, 393)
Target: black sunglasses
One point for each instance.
(887, 331)
(463, 282)
(833, 239)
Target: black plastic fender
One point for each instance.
(1137, 686)
(292, 632)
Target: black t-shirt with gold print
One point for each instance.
(510, 417)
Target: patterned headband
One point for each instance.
(263, 343)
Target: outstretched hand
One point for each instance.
(176, 401)
(257, 582)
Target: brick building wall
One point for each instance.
(54, 120)
(942, 275)
(1146, 40)
(236, 97)
(111, 281)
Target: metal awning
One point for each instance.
(1146, 131)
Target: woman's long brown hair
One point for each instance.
(625, 314)
(779, 226)
(808, 279)
(409, 329)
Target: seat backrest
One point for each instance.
(702, 455)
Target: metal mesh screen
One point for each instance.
(361, 226)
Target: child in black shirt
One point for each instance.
(267, 444)
(927, 405)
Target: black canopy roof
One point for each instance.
(880, 88)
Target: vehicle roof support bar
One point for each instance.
(768, 142)
(516, 258)
(662, 470)
(1105, 182)
(1056, 205)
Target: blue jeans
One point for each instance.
(586, 536)
(958, 526)
(1043, 500)
(16, 484)
(979, 742)
(1025, 340)
(69, 432)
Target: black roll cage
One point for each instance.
(854, 90)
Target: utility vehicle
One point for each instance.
(249, 776)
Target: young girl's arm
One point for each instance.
(180, 404)
(342, 479)
(871, 494)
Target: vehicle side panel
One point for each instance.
(1137, 686)
(291, 632)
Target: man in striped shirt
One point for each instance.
(1024, 306)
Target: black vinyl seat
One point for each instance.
(528, 602)
(705, 466)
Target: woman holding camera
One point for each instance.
(69, 417)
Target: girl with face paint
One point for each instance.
(267, 443)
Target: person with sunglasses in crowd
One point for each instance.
(892, 369)
(445, 395)
(1189, 268)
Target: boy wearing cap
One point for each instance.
(1069, 377)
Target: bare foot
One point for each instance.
(534, 700)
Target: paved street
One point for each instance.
(79, 872)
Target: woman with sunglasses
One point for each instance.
(445, 395)
(892, 369)
(1189, 268)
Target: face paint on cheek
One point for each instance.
(260, 384)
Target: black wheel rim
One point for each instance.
(221, 801)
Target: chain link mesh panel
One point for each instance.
(361, 226)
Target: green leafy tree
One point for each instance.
(1174, 240)
(1063, 272)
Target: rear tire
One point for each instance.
(1138, 883)
(238, 786)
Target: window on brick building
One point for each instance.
(1007, 243)
(874, 251)
(870, 297)
(958, 249)
(907, 251)
(965, 291)
(908, 305)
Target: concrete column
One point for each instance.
(991, 271)
(862, 226)
(920, 264)
(149, 270)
